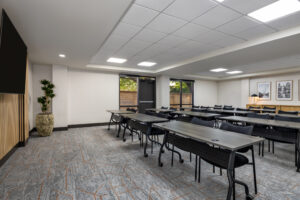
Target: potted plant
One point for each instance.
(45, 120)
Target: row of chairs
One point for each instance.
(216, 156)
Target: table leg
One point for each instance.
(108, 128)
(298, 149)
(124, 132)
(162, 149)
(147, 136)
(230, 174)
(119, 130)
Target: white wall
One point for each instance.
(60, 102)
(39, 72)
(90, 94)
(295, 77)
(162, 91)
(205, 93)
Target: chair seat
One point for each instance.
(240, 160)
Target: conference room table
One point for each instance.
(114, 118)
(272, 123)
(233, 112)
(224, 139)
(197, 114)
(145, 119)
(162, 110)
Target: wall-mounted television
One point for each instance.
(13, 58)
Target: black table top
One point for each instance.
(144, 118)
(196, 114)
(268, 122)
(225, 139)
(229, 111)
(120, 112)
(159, 110)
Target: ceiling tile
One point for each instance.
(126, 30)
(247, 6)
(209, 37)
(217, 16)
(171, 41)
(255, 32)
(238, 25)
(289, 21)
(189, 9)
(158, 5)
(227, 40)
(137, 44)
(138, 15)
(126, 52)
(154, 50)
(190, 31)
(149, 35)
(114, 43)
(166, 24)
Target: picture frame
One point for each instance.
(284, 90)
(264, 91)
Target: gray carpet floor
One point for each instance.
(91, 163)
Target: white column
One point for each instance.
(162, 91)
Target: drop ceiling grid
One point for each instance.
(236, 29)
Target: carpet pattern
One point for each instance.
(91, 163)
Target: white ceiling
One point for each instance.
(170, 32)
(76, 28)
(177, 34)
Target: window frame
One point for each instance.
(192, 89)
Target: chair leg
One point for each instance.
(172, 160)
(273, 146)
(269, 147)
(296, 155)
(263, 149)
(196, 162)
(199, 170)
(233, 188)
(191, 156)
(152, 144)
(254, 170)
(259, 147)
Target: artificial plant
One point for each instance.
(45, 100)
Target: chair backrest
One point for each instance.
(255, 115)
(288, 119)
(217, 107)
(242, 109)
(195, 110)
(247, 130)
(131, 109)
(269, 108)
(147, 112)
(195, 106)
(163, 115)
(254, 107)
(181, 109)
(172, 108)
(288, 112)
(205, 107)
(228, 108)
(163, 107)
(201, 122)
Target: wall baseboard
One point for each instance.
(60, 129)
(10, 153)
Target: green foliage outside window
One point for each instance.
(175, 87)
(128, 84)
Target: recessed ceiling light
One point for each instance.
(234, 72)
(276, 10)
(116, 60)
(146, 64)
(62, 55)
(218, 70)
(220, 0)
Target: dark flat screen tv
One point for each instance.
(13, 58)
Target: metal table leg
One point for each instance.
(230, 174)
(298, 149)
(162, 148)
(147, 136)
(108, 128)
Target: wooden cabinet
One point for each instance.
(278, 107)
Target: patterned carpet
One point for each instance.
(91, 163)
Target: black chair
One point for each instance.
(204, 107)
(132, 110)
(163, 107)
(172, 108)
(242, 109)
(288, 112)
(247, 130)
(201, 122)
(284, 135)
(228, 108)
(268, 109)
(217, 107)
(261, 130)
(195, 106)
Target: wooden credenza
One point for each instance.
(278, 107)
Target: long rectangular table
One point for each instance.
(224, 139)
(146, 119)
(162, 110)
(273, 123)
(197, 114)
(233, 112)
(114, 113)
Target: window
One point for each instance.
(128, 92)
(181, 93)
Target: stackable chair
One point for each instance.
(288, 112)
(269, 109)
(228, 107)
(217, 107)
